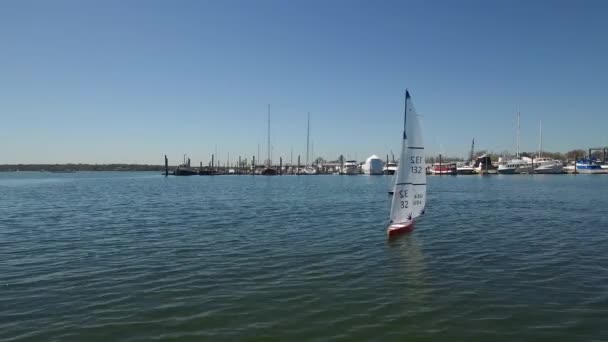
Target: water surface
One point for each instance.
(138, 257)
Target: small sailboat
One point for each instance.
(544, 165)
(309, 169)
(519, 164)
(409, 191)
(269, 170)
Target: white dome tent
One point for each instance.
(373, 165)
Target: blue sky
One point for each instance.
(130, 81)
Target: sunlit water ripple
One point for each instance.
(138, 257)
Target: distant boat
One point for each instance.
(464, 169)
(545, 165)
(269, 170)
(467, 167)
(518, 164)
(409, 198)
(309, 170)
(350, 167)
(570, 168)
(589, 165)
(483, 165)
(444, 169)
(548, 166)
(389, 168)
(515, 166)
(185, 169)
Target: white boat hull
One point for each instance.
(465, 170)
(310, 170)
(551, 169)
(570, 169)
(350, 169)
(591, 171)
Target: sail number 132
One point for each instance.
(416, 169)
(416, 160)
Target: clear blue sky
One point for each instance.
(130, 81)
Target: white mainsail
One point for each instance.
(409, 196)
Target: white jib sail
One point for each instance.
(409, 197)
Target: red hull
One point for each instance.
(400, 228)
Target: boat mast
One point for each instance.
(269, 161)
(407, 96)
(517, 137)
(540, 142)
(472, 150)
(307, 139)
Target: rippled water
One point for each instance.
(139, 257)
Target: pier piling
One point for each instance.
(532, 170)
(166, 166)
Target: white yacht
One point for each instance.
(589, 165)
(519, 164)
(501, 161)
(515, 166)
(570, 168)
(548, 165)
(464, 168)
(350, 167)
(389, 168)
(584, 166)
(545, 165)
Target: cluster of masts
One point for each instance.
(481, 164)
(244, 167)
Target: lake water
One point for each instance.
(140, 257)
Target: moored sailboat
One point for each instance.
(545, 165)
(409, 198)
(269, 170)
(519, 164)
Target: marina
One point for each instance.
(483, 166)
(258, 171)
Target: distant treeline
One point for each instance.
(80, 167)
